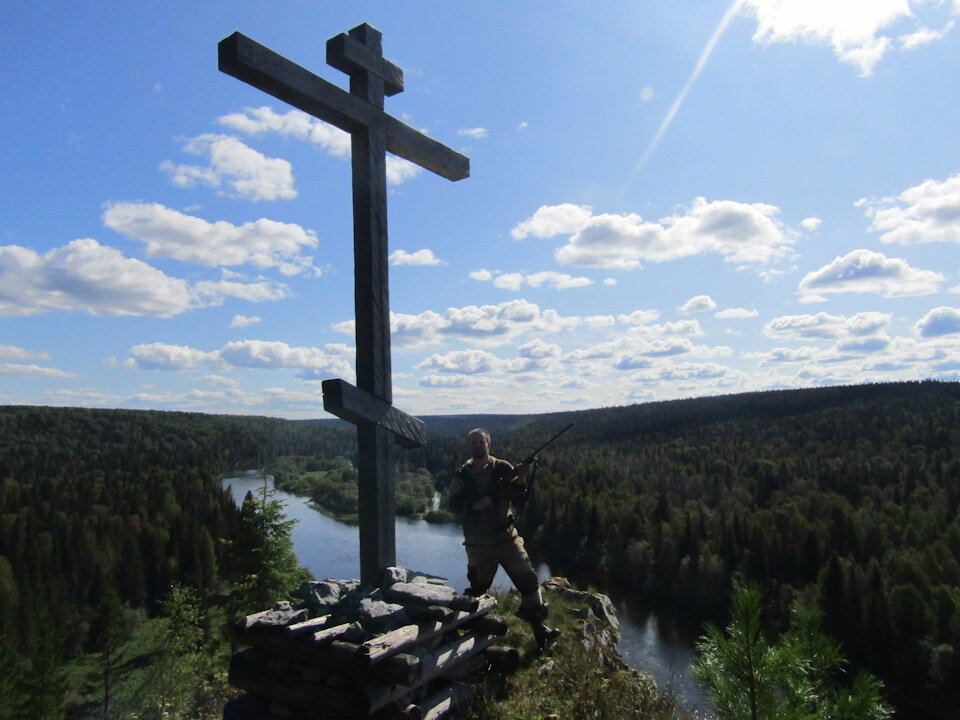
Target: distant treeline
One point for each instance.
(848, 496)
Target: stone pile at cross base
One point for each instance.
(346, 650)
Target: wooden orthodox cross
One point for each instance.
(372, 132)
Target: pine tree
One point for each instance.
(264, 554)
(798, 677)
(177, 671)
(746, 678)
(108, 633)
(12, 698)
(43, 679)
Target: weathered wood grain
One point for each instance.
(256, 65)
(434, 665)
(354, 405)
(430, 595)
(250, 670)
(382, 647)
(307, 626)
(351, 56)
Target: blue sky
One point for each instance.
(667, 199)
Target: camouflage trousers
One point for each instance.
(509, 553)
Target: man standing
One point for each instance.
(482, 492)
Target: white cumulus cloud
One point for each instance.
(864, 271)
(86, 276)
(538, 349)
(698, 303)
(173, 234)
(860, 32)
(826, 326)
(484, 324)
(939, 321)
(777, 356)
(924, 36)
(419, 257)
(313, 363)
(468, 362)
(249, 174)
(550, 220)
(214, 293)
(735, 314)
(928, 212)
(516, 280)
(31, 370)
(741, 232)
(163, 356)
(242, 321)
(12, 352)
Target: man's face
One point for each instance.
(479, 446)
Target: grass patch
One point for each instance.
(579, 676)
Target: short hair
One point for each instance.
(481, 431)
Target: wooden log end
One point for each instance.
(465, 603)
(401, 669)
(488, 625)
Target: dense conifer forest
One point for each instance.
(109, 518)
(846, 497)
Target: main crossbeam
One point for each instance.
(248, 60)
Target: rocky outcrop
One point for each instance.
(599, 627)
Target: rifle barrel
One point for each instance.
(548, 442)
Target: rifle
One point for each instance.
(533, 458)
(501, 482)
(530, 461)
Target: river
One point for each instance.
(648, 642)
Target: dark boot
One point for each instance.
(535, 616)
(544, 635)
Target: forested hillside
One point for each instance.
(101, 508)
(847, 496)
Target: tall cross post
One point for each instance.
(360, 112)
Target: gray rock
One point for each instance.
(322, 595)
(349, 604)
(600, 604)
(281, 615)
(378, 616)
(392, 575)
(415, 576)
(356, 634)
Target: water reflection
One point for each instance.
(662, 647)
(331, 549)
(648, 642)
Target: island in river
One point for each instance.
(331, 486)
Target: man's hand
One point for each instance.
(483, 503)
(520, 471)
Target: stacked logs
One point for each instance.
(403, 650)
